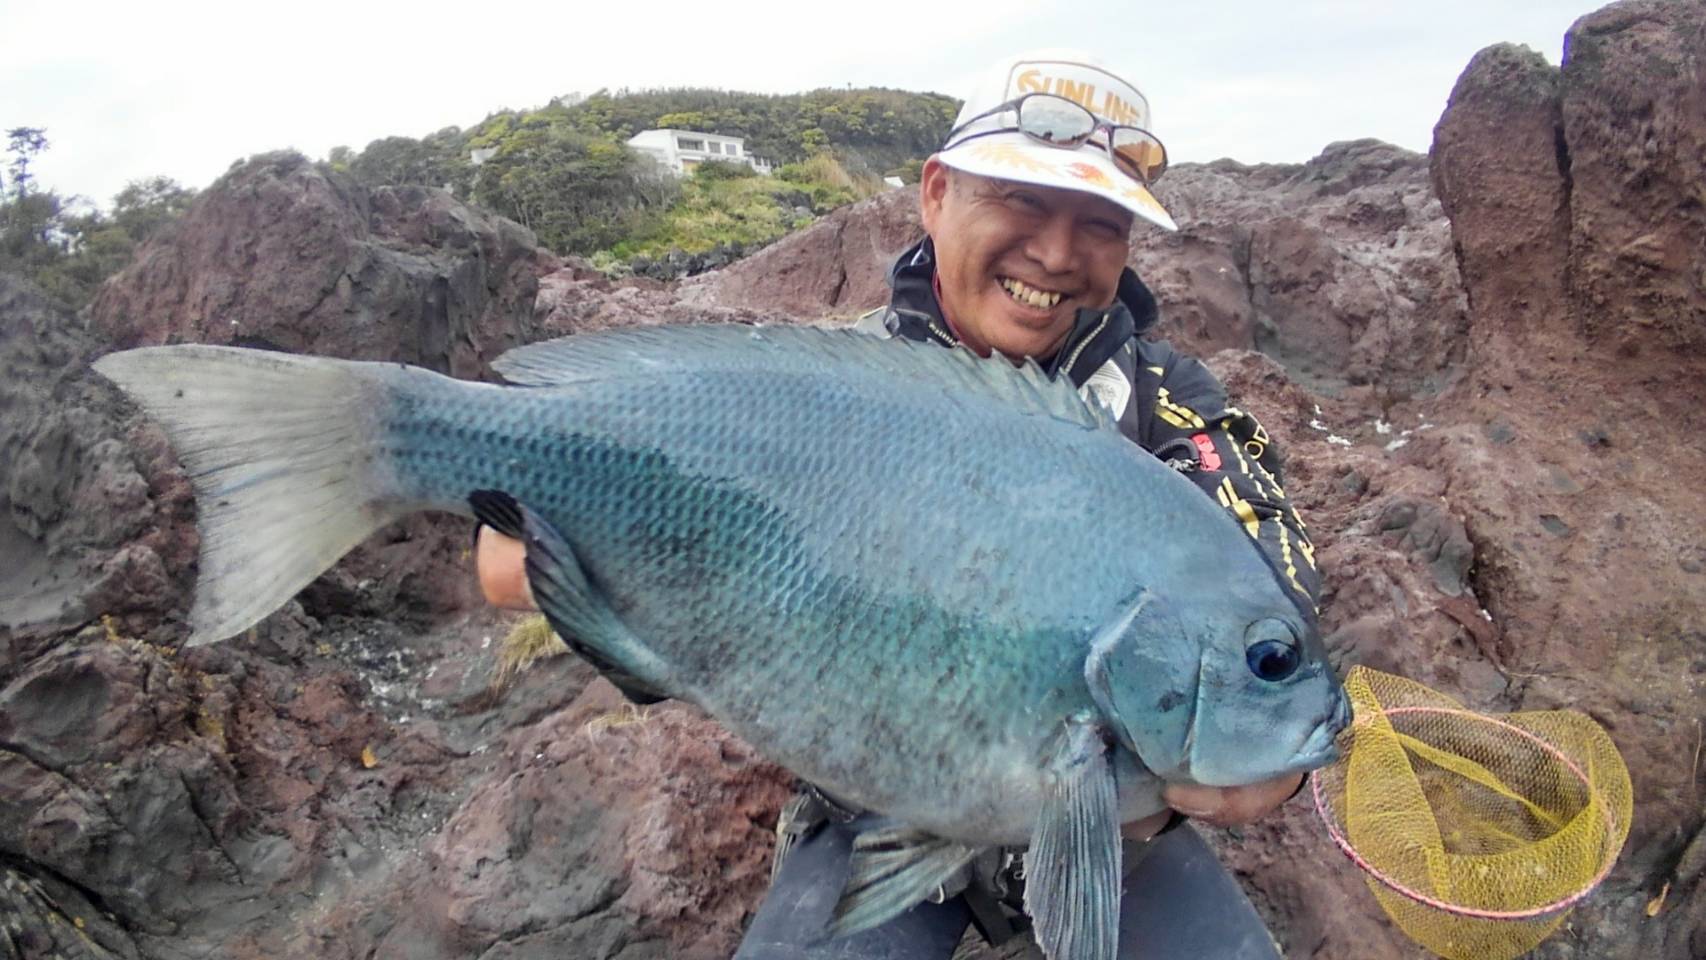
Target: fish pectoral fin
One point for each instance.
(578, 611)
(892, 870)
(1072, 870)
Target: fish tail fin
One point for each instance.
(280, 451)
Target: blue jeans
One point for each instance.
(1179, 904)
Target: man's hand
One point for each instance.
(1230, 806)
(501, 564)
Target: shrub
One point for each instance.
(723, 170)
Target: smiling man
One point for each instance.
(1028, 210)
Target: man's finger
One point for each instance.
(1229, 806)
(500, 562)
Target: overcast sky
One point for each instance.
(128, 90)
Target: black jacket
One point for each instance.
(1168, 404)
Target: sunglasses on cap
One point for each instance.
(1058, 122)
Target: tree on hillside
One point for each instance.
(393, 161)
(577, 192)
(685, 120)
(27, 216)
(65, 245)
(144, 206)
(437, 160)
(24, 144)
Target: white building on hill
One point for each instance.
(682, 150)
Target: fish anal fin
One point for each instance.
(891, 871)
(1072, 869)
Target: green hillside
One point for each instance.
(870, 131)
(565, 171)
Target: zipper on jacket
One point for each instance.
(940, 334)
(1078, 351)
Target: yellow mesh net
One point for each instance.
(1478, 832)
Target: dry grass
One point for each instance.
(531, 641)
(824, 168)
(627, 715)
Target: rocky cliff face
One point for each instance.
(1546, 489)
(1485, 366)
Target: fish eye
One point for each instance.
(1272, 660)
(1272, 649)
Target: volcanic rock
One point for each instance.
(1574, 202)
(1340, 268)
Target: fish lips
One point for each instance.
(1322, 747)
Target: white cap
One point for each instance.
(1014, 156)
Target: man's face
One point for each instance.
(1017, 261)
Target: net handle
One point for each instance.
(1422, 898)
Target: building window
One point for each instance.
(734, 150)
(682, 143)
(715, 147)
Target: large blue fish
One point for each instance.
(944, 588)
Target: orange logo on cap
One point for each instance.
(1143, 198)
(1009, 155)
(1084, 171)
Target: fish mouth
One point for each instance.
(1322, 747)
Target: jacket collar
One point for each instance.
(1096, 335)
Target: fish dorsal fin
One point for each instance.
(726, 347)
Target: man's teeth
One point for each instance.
(1024, 293)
